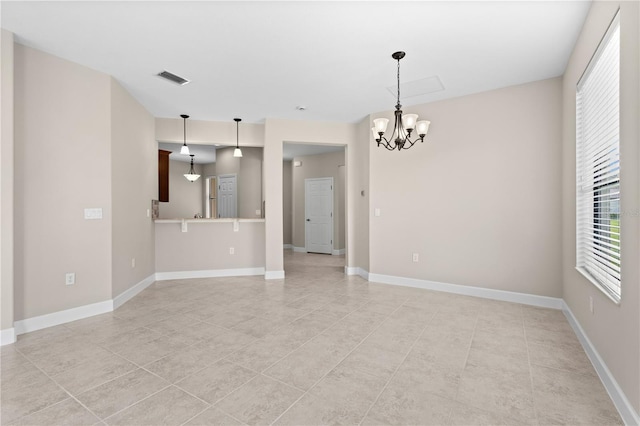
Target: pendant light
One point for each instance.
(192, 176)
(237, 152)
(403, 125)
(185, 149)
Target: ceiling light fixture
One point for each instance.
(237, 152)
(192, 176)
(403, 126)
(185, 149)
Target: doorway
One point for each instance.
(318, 194)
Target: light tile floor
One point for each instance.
(316, 348)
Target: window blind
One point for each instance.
(598, 166)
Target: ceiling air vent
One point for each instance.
(174, 78)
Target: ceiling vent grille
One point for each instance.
(174, 78)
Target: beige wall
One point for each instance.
(478, 200)
(287, 200)
(318, 166)
(62, 166)
(134, 183)
(185, 197)
(358, 197)
(250, 183)
(208, 170)
(206, 246)
(6, 180)
(613, 329)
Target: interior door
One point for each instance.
(227, 196)
(318, 196)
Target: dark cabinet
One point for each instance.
(163, 175)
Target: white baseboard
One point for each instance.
(363, 273)
(487, 293)
(287, 246)
(299, 249)
(62, 317)
(355, 270)
(351, 270)
(338, 252)
(628, 414)
(7, 336)
(129, 294)
(211, 273)
(274, 275)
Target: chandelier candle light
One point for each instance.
(192, 176)
(237, 152)
(403, 126)
(185, 149)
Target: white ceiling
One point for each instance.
(202, 154)
(262, 59)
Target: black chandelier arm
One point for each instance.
(391, 145)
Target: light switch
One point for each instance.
(236, 226)
(94, 213)
(376, 212)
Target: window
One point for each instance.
(598, 166)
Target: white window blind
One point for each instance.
(598, 166)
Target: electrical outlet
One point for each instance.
(258, 212)
(70, 278)
(416, 257)
(591, 304)
(133, 262)
(232, 250)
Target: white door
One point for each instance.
(227, 197)
(318, 196)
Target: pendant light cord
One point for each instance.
(398, 106)
(237, 134)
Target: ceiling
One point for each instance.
(202, 154)
(258, 60)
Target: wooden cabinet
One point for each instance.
(163, 175)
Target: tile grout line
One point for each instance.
(259, 373)
(135, 403)
(307, 341)
(397, 368)
(57, 384)
(339, 362)
(533, 397)
(464, 365)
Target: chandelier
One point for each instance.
(192, 176)
(403, 126)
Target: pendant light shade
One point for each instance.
(237, 152)
(185, 149)
(192, 176)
